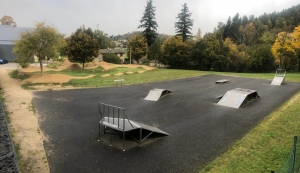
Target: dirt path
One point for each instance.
(24, 125)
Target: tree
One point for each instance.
(234, 29)
(296, 37)
(102, 39)
(205, 53)
(44, 41)
(247, 33)
(261, 59)
(199, 36)
(137, 47)
(7, 20)
(148, 22)
(154, 51)
(282, 49)
(175, 52)
(81, 47)
(280, 23)
(185, 23)
(236, 56)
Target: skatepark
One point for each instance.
(190, 127)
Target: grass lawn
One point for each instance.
(264, 148)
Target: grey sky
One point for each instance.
(122, 16)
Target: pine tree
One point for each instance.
(185, 23)
(199, 36)
(148, 22)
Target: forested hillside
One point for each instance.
(243, 44)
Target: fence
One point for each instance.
(292, 163)
(8, 157)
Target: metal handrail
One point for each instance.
(280, 74)
(102, 114)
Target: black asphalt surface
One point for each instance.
(200, 130)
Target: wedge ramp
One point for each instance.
(279, 77)
(156, 94)
(237, 97)
(115, 121)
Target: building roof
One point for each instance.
(10, 34)
(115, 51)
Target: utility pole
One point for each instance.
(130, 55)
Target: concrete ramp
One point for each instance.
(237, 97)
(156, 94)
(279, 77)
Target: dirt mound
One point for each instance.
(60, 78)
(52, 78)
(48, 78)
(74, 67)
(105, 75)
(90, 65)
(118, 74)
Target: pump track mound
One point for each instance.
(200, 129)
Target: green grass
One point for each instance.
(55, 64)
(156, 75)
(290, 77)
(265, 147)
(17, 75)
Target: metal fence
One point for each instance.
(8, 156)
(292, 163)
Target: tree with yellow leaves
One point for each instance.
(296, 38)
(283, 49)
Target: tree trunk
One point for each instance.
(41, 66)
(280, 62)
(82, 66)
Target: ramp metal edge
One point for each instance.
(156, 94)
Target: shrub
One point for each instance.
(112, 58)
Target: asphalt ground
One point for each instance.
(200, 130)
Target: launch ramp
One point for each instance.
(237, 97)
(115, 121)
(279, 77)
(156, 94)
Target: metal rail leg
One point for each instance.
(141, 137)
(123, 141)
(99, 132)
(110, 140)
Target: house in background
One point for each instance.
(119, 52)
(8, 35)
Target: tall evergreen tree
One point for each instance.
(148, 22)
(185, 23)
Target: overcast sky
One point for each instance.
(122, 16)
